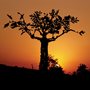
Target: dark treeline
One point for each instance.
(53, 74)
(54, 77)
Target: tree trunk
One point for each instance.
(44, 55)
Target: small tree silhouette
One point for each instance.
(82, 73)
(45, 28)
(82, 70)
(56, 71)
(53, 63)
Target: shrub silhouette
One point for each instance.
(81, 75)
(82, 68)
(53, 75)
(52, 62)
(82, 72)
(49, 27)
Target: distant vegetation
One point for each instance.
(53, 74)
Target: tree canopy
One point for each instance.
(44, 23)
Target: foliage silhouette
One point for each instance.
(55, 69)
(45, 27)
(18, 74)
(82, 72)
(53, 63)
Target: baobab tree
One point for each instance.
(45, 27)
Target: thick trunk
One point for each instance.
(44, 55)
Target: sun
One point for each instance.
(65, 58)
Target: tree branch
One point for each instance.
(40, 32)
(32, 35)
(65, 31)
(54, 38)
(80, 32)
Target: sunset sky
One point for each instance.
(20, 50)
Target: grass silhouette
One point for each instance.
(54, 73)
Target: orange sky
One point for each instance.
(70, 49)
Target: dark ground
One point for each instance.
(55, 77)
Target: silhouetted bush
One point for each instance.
(54, 74)
(82, 73)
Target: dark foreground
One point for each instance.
(54, 77)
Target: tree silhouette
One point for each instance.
(53, 63)
(45, 27)
(82, 72)
(54, 66)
